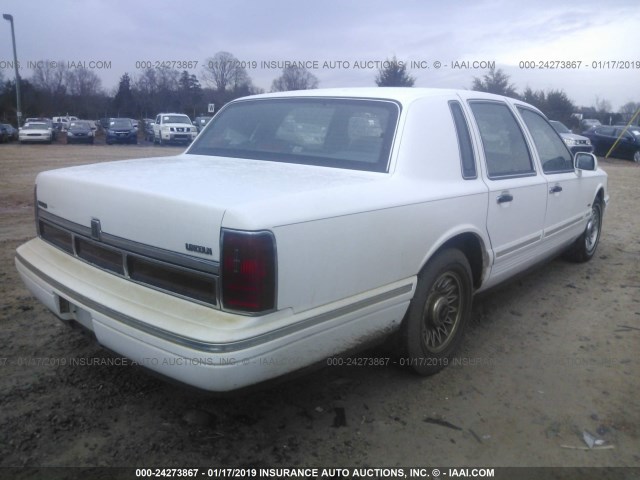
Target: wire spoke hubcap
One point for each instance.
(593, 230)
(442, 312)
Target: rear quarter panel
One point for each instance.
(394, 225)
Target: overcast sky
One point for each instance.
(346, 35)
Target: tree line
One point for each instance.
(55, 89)
(555, 104)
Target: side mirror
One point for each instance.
(585, 161)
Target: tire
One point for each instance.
(636, 156)
(434, 324)
(584, 248)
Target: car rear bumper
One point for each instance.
(194, 344)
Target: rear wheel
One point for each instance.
(585, 246)
(434, 324)
(636, 156)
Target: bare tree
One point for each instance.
(224, 72)
(145, 89)
(147, 82)
(50, 76)
(629, 110)
(168, 79)
(83, 82)
(603, 106)
(294, 78)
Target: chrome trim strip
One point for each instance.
(564, 226)
(208, 347)
(517, 247)
(109, 242)
(129, 246)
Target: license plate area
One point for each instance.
(69, 312)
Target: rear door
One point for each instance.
(517, 192)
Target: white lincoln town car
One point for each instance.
(301, 225)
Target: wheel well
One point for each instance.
(471, 246)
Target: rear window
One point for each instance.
(341, 133)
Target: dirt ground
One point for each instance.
(547, 357)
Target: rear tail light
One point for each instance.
(248, 276)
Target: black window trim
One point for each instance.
(473, 150)
(534, 172)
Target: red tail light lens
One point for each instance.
(248, 275)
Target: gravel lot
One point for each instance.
(546, 357)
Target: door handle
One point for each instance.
(505, 198)
(555, 189)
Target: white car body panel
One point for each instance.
(350, 244)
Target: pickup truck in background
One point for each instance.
(300, 225)
(173, 128)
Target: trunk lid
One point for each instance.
(176, 202)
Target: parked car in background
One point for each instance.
(587, 123)
(260, 251)
(12, 132)
(121, 130)
(201, 122)
(4, 134)
(80, 131)
(576, 143)
(35, 132)
(48, 121)
(626, 141)
(173, 128)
